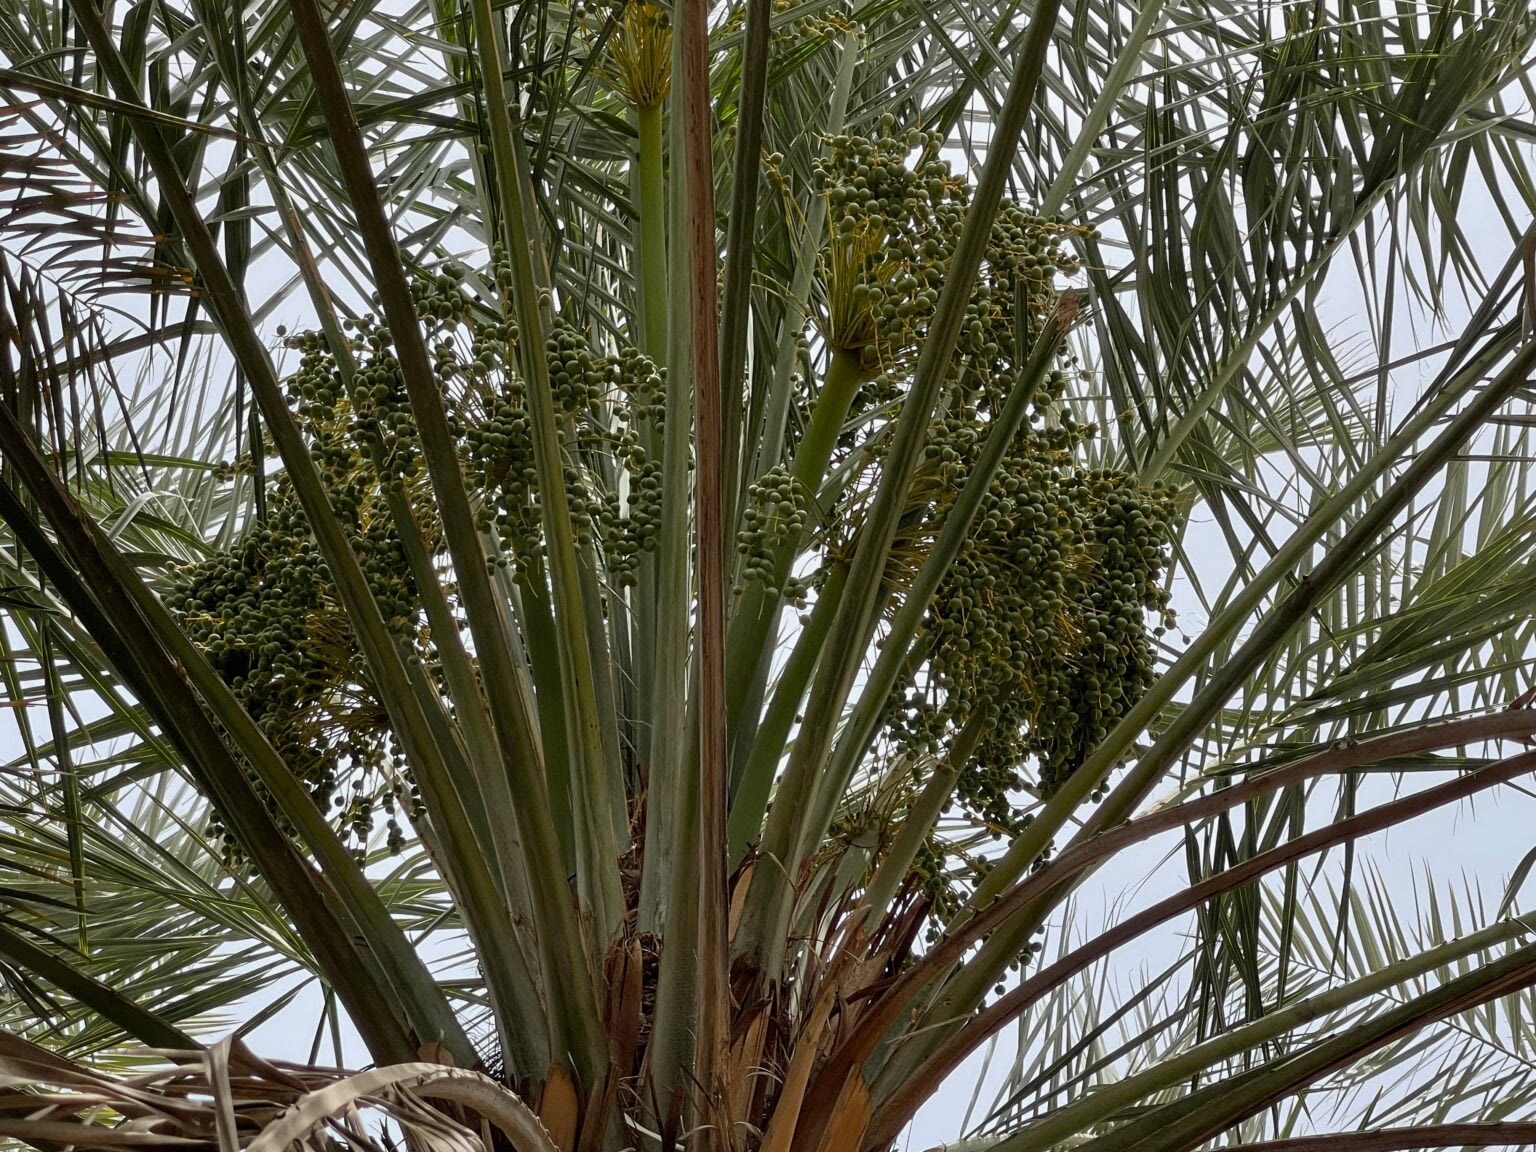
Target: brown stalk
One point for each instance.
(787, 1111)
(989, 1021)
(866, 1035)
(1469, 1135)
(711, 1053)
(1205, 1113)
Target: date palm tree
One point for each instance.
(643, 563)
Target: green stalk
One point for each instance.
(604, 669)
(610, 616)
(668, 744)
(459, 673)
(921, 817)
(845, 374)
(740, 247)
(669, 748)
(756, 619)
(651, 190)
(143, 1025)
(752, 788)
(1113, 1099)
(651, 256)
(538, 620)
(593, 777)
(670, 888)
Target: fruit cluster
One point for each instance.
(893, 224)
(265, 610)
(777, 513)
(1041, 621)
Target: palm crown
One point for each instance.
(667, 636)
